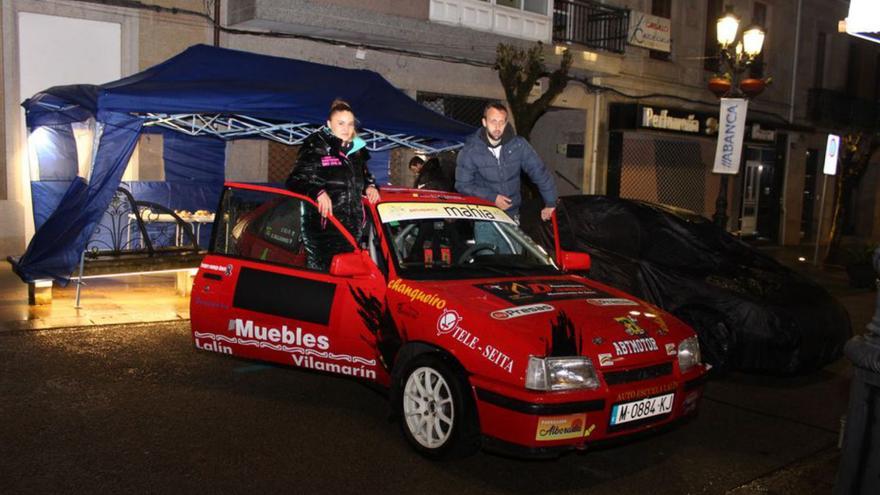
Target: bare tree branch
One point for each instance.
(518, 71)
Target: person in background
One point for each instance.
(331, 168)
(491, 161)
(415, 166)
(431, 177)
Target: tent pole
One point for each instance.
(79, 280)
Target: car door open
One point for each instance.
(258, 295)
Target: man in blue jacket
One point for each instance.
(490, 163)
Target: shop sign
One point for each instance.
(832, 151)
(648, 31)
(759, 134)
(731, 131)
(661, 119)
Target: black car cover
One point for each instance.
(751, 312)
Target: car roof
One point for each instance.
(391, 194)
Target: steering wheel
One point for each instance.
(469, 253)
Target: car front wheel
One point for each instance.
(437, 416)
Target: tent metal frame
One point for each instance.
(235, 126)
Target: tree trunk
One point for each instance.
(855, 156)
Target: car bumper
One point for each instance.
(529, 425)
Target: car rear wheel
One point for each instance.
(437, 416)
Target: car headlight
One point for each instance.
(560, 373)
(689, 354)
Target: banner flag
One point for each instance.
(731, 131)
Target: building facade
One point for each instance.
(638, 121)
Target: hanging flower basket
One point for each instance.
(752, 87)
(719, 86)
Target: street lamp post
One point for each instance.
(735, 57)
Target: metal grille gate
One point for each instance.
(461, 108)
(281, 160)
(666, 170)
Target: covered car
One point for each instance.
(751, 312)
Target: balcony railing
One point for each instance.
(591, 24)
(825, 106)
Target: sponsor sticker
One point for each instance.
(354, 369)
(226, 270)
(209, 344)
(249, 331)
(612, 301)
(307, 350)
(647, 392)
(449, 323)
(209, 303)
(395, 212)
(397, 285)
(589, 431)
(536, 291)
(561, 427)
(516, 312)
(670, 350)
(630, 325)
(635, 346)
(605, 359)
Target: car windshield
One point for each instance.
(450, 241)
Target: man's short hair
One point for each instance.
(416, 160)
(497, 105)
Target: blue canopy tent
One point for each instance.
(210, 92)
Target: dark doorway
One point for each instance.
(807, 210)
(762, 191)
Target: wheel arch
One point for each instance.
(412, 350)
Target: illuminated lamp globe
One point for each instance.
(726, 29)
(753, 41)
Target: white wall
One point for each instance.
(561, 127)
(48, 43)
(62, 50)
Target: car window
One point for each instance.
(438, 241)
(268, 227)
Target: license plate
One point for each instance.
(641, 409)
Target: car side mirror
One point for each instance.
(350, 265)
(575, 262)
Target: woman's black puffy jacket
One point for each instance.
(324, 165)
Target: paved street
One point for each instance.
(134, 408)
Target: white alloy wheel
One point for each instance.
(428, 407)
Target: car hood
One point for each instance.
(555, 316)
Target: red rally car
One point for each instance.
(480, 337)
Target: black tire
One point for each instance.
(451, 410)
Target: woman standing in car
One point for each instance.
(331, 168)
